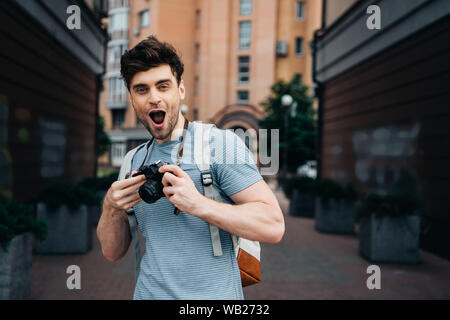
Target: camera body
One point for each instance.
(152, 189)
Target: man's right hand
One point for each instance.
(122, 194)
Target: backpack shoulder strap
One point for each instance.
(127, 160)
(125, 169)
(202, 157)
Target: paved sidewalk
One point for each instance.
(306, 264)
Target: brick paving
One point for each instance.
(306, 264)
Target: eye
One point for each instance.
(164, 86)
(141, 90)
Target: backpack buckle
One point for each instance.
(206, 178)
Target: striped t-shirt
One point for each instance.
(178, 262)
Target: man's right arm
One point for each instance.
(113, 229)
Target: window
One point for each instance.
(116, 90)
(197, 52)
(299, 46)
(115, 53)
(118, 117)
(198, 17)
(244, 70)
(298, 78)
(117, 4)
(242, 96)
(144, 17)
(118, 21)
(300, 10)
(118, 151)
(245, 34)
(246, 7)
(196, 84)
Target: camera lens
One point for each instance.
(151, 191)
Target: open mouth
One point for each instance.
(157, 117)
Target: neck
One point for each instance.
(177, 130)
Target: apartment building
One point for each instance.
(233, 51)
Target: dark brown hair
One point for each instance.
(150, 53)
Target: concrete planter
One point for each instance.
(15, 268)
(337, 216)
(96, 211)
(68, 231)
(302, 204)
(390, 239)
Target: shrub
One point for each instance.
(99, 183)
(303, 184)
(17, 218)
(57, 194)
(327, 189)
(393, 205)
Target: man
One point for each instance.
(179, 262)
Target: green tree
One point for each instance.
(103, 141)
(301, 128)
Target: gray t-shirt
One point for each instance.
(179, 262)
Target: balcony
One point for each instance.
(117, 101)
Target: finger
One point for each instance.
(131, 204)
(121, 184)
(168, 191)
(117, 195)
(132, 198)
(169, 179)
(131, 189)
(176, 170)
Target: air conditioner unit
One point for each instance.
(137, 31)
(281, 48)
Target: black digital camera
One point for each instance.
(152, 190)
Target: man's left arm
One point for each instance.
(255, 214)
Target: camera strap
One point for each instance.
(125, 171)
(180, 149)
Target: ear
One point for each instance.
(130, 98)
(182, 90)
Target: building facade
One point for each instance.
(49, 91)
(384, 103)
(233, 51)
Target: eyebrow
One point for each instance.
(138, 85)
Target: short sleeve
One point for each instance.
(233, 165)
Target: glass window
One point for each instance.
(299, 46)
(118, 117)
(246, 7)
(242, 96)
(244, 69)
(117, 4)
(298, 78)
(196, 84)
(118, 151)
(245, 34)
(198, 17)
(197, 52)
(115, 53)
(144, 18)
(299, 10)
(118, 21)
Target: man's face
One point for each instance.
(156, 97)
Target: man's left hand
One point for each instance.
(179, 189)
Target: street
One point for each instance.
(306, 264)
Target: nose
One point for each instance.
(153, 97)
